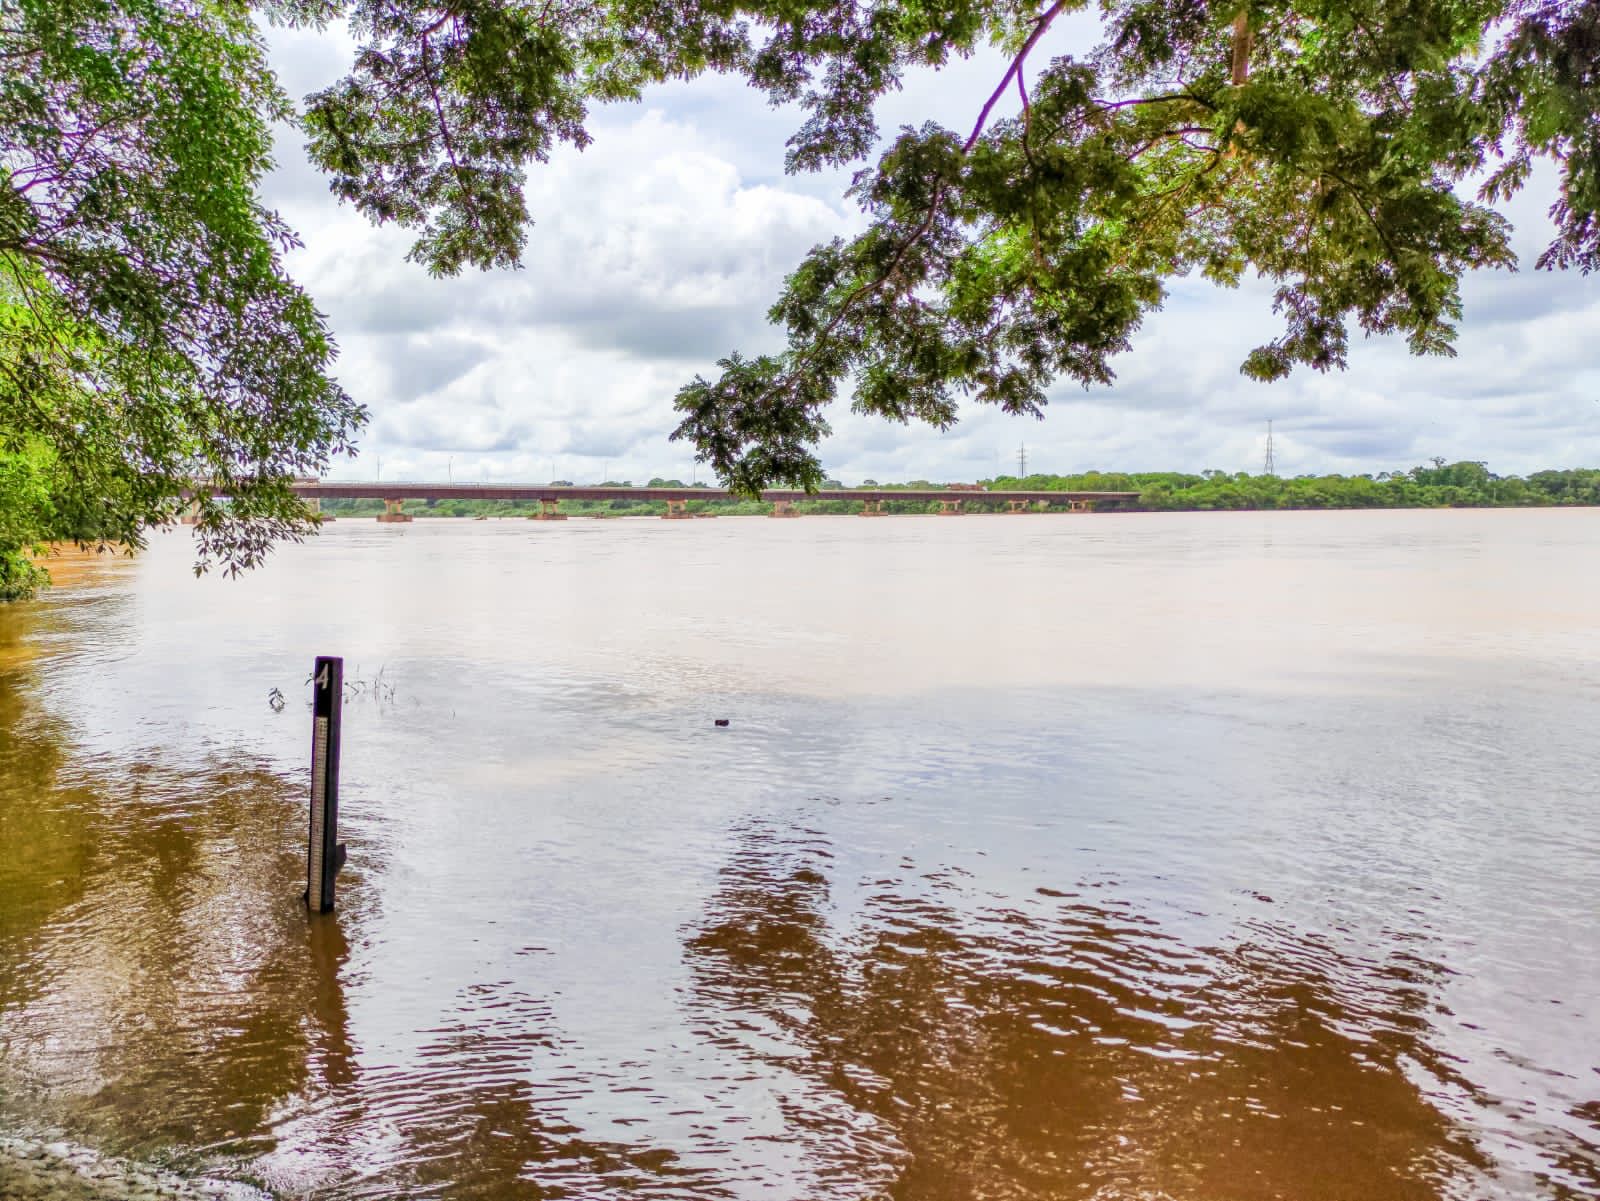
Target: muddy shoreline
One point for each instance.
(38, 1169)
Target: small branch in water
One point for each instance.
(377, 688)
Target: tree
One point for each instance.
(150, 343)
(1317, 145)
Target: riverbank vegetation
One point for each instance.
(25, 514)
(1435, 485)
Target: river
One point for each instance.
(1204, 857)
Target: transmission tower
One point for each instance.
(1022, 461)
(1271, 467)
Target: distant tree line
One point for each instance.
(1468, 484)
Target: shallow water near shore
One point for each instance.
(1123, 856)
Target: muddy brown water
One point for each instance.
(1162, 857)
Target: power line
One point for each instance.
(1022, 461)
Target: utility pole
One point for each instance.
(1271, 466)
(450, 470)
(380, 466)
(1022, 461)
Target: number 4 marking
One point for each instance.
(322, 677)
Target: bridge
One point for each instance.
(952, 499)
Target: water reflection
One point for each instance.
(143, 935)
(1065, 1046)
(1209, 933)
(467, 1115)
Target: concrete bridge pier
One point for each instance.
(191, 514)
(549, 510)
(952, 508)
(1078, 506)
(393, 510)
(784, 508)
(1016, 506)
(677, 510)
(873, 508)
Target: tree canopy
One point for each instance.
(151, 344)
(1349, 151)
(1352, 152)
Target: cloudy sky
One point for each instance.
(658, 249)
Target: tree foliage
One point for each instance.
(24, 509)
(150, 340)
(1327, 147)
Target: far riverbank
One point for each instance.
(1436, 486)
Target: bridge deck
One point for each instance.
(403, 490)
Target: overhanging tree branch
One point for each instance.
(1039, 27)
(934, 202)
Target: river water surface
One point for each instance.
(1191, 857)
